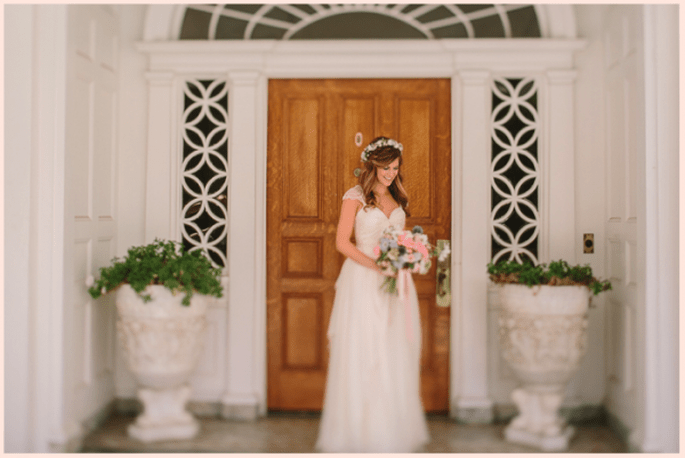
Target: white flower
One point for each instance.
(103, 291)
(444, 253)
(379, 144)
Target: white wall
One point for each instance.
(628, 78)
(18, 28)
(133, 129)
(132, 154)
(589, 386)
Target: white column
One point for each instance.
(51, 430)
(470, 400)
(658, 414)
(241, 398)
(19, 68)
(159, 194)
(560, 165)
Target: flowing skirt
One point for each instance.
(372, 401)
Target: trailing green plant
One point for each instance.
(161, 263)
(557, 273)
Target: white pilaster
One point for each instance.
(19, 67)
(159, 195)
(560, 165)
(471, 402)
(52, 431)
(658, 420)
(240, 399)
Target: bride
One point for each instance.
(372, 401)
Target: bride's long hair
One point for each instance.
(379, 158)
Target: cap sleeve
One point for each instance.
(355, 194)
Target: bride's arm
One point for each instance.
(344, 233)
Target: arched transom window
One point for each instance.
(367, 21)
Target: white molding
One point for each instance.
(260, 315)
(456, 286)
(361, 58)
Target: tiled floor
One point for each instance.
(285, 433)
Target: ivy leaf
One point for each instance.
(557, 273)
(161, 263)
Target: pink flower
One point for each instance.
(421, 248)
(377, 251)
(406, 240)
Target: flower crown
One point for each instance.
(379, 144)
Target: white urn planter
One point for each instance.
(162, 341)
(543, 336)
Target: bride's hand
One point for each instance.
(385, 273)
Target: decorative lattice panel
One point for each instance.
(204, 169)
(365, 21)
(515, 172)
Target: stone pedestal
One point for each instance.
(538, 423)
(162, 341)
(543, 336)
(164, 415)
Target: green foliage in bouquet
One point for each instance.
(161, 263)
(558, 273)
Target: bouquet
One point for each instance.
(402, 249)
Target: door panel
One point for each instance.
(90, 219)
(312, 154)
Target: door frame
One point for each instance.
(470, 64)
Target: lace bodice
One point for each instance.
(370, 223)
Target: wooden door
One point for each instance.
(311, 158)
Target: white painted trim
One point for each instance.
(261, 60)
(260, 316)
(361, 58)
(456, 241)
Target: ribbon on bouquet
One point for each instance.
(403, 278)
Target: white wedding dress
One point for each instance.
(372, 401)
